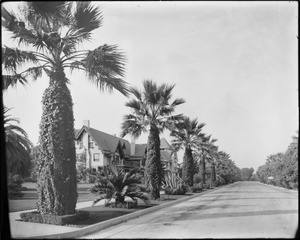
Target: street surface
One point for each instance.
(239, 210)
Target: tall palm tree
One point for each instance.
(53, 32)
(205, 147)
(17, 146)
(151, 108)
(187, 134)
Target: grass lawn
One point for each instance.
(101, 213)
(96, 213)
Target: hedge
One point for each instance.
(36, 217)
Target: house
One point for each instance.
(102, 150)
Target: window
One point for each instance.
(96, 157)
(91, 145)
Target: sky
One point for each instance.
(235, 64)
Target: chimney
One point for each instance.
(132, 146)
(86, 123)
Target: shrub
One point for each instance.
(196, 188)
(125, 204)
(14, 185)
(293, 185)
(220, 181)
(116, 184)
(36, 217)
(197, 178)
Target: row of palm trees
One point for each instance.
(153, 111)
(49, 35)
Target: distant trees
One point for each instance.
(247, 173)
(281, 169)
(186, 136)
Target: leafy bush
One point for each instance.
(116, 184)
(196, 188)
(36, 217)
(197, 178)
(219, 181)
(14, 185)
(174, 185)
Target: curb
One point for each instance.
(106, 224)
(278, 188)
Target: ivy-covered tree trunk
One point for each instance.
(57, 183)
(188, 167)
(213, 171)
(153, 171)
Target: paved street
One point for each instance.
(239, 210)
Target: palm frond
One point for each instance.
(86, 18)
(14, 57)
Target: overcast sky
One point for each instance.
(235, 64)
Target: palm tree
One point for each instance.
(205, 147)
(187, 134)
(151, 108)
(54, 30)
(17, 146)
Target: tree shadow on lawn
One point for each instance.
(101, 213)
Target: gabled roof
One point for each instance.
(165, 155)
(110, 143)
(164, 144)
(106, 141)
(76, 131)
(140, 150)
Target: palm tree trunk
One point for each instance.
(203, 169)
(57, 183)
(153, 171)
(213, 171)
(188, 167)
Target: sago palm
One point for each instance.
(186, 136)
(118, 185)
(153, 112)
(51, 33)
(17, 146)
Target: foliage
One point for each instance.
(50, 35)
(206, 152)
(36, 217)
(196, 188)
(82, 172)
(118, 185)
(282, 167)
(17, 146)
(14, 185)
(173, 184)
(227, 171)
(247, 173)
(197, 178)
(187, 133)
(151, 108)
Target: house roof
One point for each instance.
(165, 155)
(140, 150)
(76, 131)
(106, 141)
(164, 144)
(110, 143)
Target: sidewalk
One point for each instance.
(20, 229)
